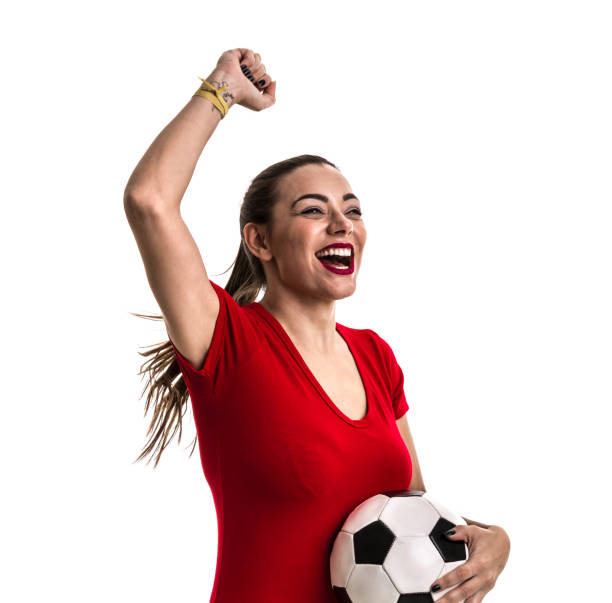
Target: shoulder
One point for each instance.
(369, 341)
(361, 336)
(382, 350)
(224, 295)
(376, 340)
(231, 307)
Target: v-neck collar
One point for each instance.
(278, 327)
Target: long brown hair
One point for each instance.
(167, 391)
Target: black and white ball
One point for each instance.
(392, 548)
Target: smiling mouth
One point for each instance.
(337, 263)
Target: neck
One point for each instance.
(310, 325)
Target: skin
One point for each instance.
(301, 293)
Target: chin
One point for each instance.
(345, 290)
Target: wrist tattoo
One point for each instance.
(226, 94)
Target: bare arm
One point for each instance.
(166, 168)
(417, 478)
(152, 198)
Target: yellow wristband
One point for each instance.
(214, 96)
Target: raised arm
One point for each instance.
(165, 170)
(152, 197)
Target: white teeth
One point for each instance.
(335, 251)
(339, 266)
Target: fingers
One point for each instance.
(263, 81)
(257, 74)
(271, 92)
(254, 74)
(247, 57)
(255, 71)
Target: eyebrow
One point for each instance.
(323, 197)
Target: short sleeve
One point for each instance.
(395, 379)
(235, 338)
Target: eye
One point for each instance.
(306, 211)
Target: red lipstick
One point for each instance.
(348, 270)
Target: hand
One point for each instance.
(489, 550)
(243, 90)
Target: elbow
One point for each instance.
(136, 197)
(136, 202)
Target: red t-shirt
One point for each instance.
(285, 465)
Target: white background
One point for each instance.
(477, 136)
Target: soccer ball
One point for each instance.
(392, 548)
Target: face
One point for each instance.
(301, 228)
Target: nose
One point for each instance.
(339, 222)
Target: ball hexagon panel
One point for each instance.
(365, 513)
(342, 559)
(417, 553)
(447, 568)
(369, 583)
(408, 516)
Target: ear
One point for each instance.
(255, 236)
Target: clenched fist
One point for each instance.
(242, 71)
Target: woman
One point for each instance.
(299, 418)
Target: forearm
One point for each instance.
(166, 168)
